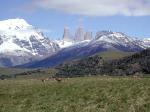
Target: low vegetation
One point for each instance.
(129, 65)
(13, 73)
(7, 73)
(111, 55)
(86, 94)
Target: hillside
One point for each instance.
(42, 72)
(110, 55)
(97, 65)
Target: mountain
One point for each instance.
(79, 34)
(119, 40)
(64, 43)
(136, 64)
(104, 41)
(79, 37)
(65, 54)
(146, 41)
(21, 43)
(88, 36)
(25, 45)
(67, 35)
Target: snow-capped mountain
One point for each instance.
(80, 37)
(146, 42)
(119, 39)
(21, 43)
(109, 40)
(113, 37)
(64, 43)
(104, 41)
(69, 44)
(20, 39)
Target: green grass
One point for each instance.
(11, 71)
(110, 55)
(87, 94)
(45, 72)
(107, 55)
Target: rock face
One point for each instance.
(67, 35)
(88, 36)
(79, 35)
(69, 40)
(21, 43)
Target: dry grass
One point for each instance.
(87, 94)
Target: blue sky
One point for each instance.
(132, 18)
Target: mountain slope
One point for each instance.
(120, 40)
(96, 65)
(146, 41)
(104, 41)
(20, 43)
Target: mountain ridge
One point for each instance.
(20, 39)
(83, 49)
(28, 45)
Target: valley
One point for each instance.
(107, 73)
(74, 56)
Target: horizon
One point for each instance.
(131, 18)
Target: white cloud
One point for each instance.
(45, 30)
(96, 7)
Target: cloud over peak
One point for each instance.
(96, 7)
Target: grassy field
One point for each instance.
(31, 73)
(87, 94)
(110, 55)
(11, 71)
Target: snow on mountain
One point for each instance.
(109, 40)
(146, 42)
(18, 38)
(21, 43)
(120, 39)
(64, 43)
(113, 37)
(69, 40)
(104, 41)
(67, 44)
(14, 24)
